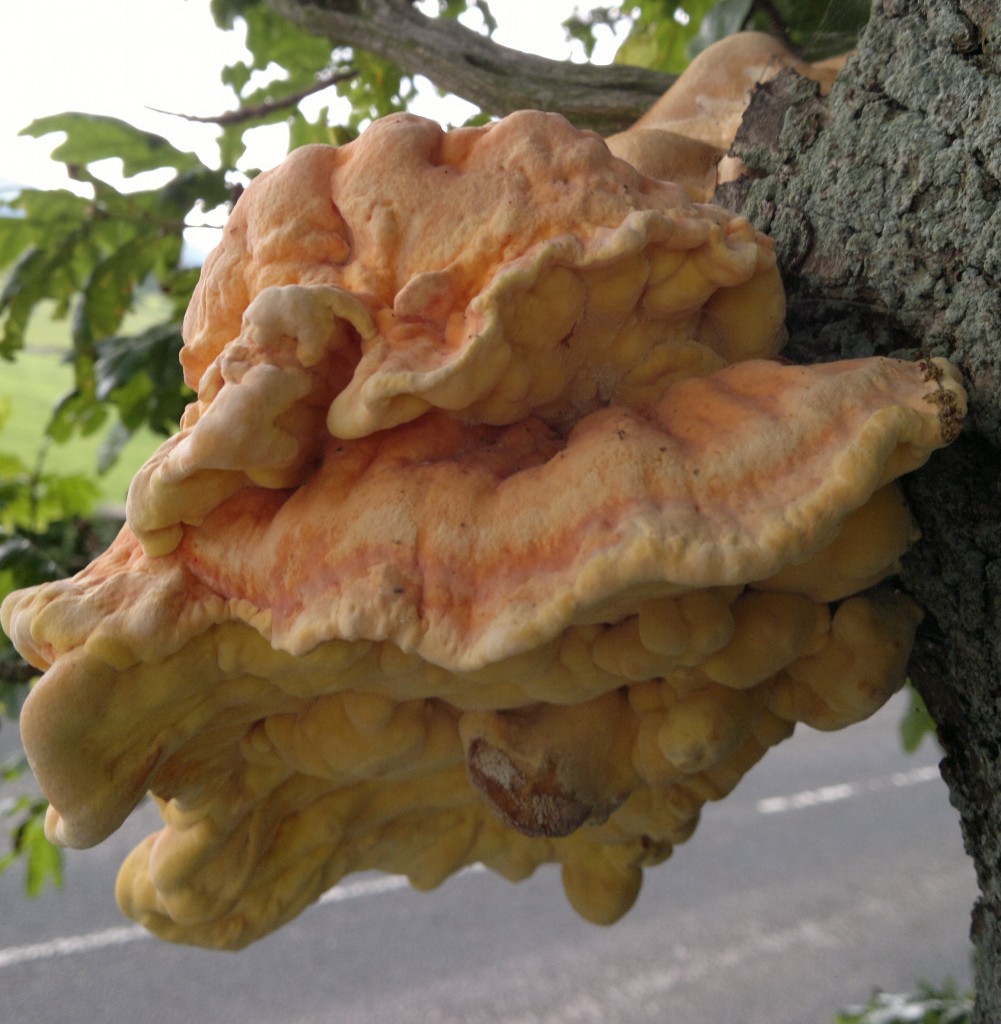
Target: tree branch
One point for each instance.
(497, 79)
(243, 114)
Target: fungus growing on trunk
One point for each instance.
(684, 137)
(496, 534)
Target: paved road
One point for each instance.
(836, 866)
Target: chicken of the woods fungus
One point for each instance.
(496, 534)
(685, 136)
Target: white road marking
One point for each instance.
(845, 790)
(377, 886)
(72, 944)
(367, 887)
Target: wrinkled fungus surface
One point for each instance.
(496, 534)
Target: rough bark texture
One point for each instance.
(458, 60)
(884, 202)
(884, 205)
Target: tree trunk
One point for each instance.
(883, 200)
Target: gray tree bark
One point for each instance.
(884, 204)
(883, 200)
(494, 77)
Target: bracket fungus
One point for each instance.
(496, 534)
(685, 136)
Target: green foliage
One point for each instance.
(926, 1006)
(51, 550)
(814, 28)
(42, 861)
(666, 35)
(379, 88)
(33, 499)
(661, 33)
(453, 8)
(91, 254)
(90, 137)
(722, 20)
(46, 532)
(284, 63)
(581, 26)
(917, 723)
(272, 39)
(40, 498)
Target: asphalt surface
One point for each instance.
(836, 867)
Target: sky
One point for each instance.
(124, 58)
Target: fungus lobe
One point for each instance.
(495, 534)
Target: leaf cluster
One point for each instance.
(666, 35)
(917, 723)
(284, 66)
(47, 532)
(43, 862)
(92, 254)
(929, 1005)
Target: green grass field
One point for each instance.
(34, 382)
(32, 385)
